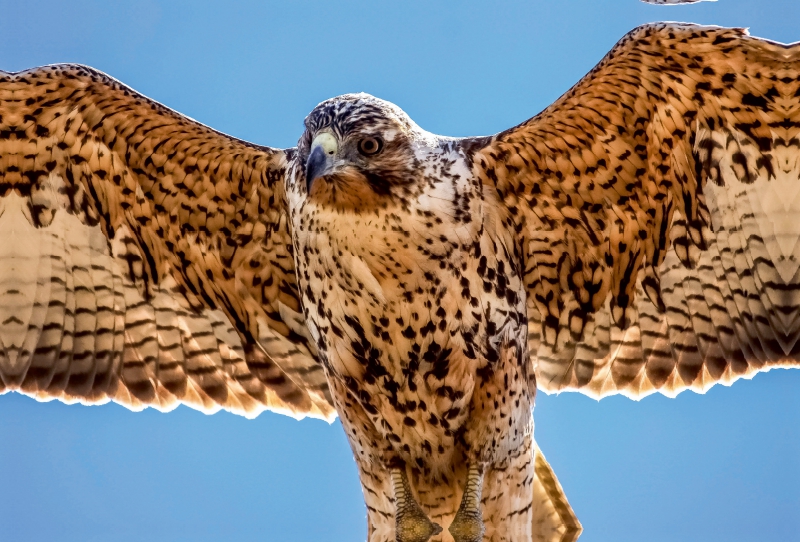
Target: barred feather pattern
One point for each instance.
(731, 314)
(553, 518)
(718, 326)
(146, 258)
(657, 204)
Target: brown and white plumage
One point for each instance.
(146, 261)
(675, 164)
(638, 233)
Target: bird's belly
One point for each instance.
(412, 363)
(405, 367)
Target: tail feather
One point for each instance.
(553, 517)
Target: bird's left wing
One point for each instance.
(144, 258)
(657, 205)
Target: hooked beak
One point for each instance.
(321, 158)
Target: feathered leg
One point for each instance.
(412, 525)
(468, 525)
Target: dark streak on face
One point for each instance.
(378, 183)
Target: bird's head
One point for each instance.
(358, 151)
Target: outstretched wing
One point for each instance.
(144, 258)
(658, 205)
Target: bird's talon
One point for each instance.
(411, 523)
(467, 528)
(412, 527)
(468, 524)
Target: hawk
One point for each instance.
(637, 236)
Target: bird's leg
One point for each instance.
(468, 525)
(411, 523)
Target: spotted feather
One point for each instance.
(146, 258)
(658, 203)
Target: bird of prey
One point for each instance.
(637, 236)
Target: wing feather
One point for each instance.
(657, 203)
(146, 258)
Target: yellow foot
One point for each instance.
(411, 523)
(414, 526)
(468, 525)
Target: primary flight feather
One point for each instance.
(639, 235)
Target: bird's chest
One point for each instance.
(379, 287)
(407, 308)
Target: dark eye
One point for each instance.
(370, 145)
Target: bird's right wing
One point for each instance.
(144, 258)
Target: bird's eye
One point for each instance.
(370, 145)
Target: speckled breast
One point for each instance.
(408, 306)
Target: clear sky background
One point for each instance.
(723, 466)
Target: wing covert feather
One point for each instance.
(146, 257)
(657, 203)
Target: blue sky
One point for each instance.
(723, 466)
